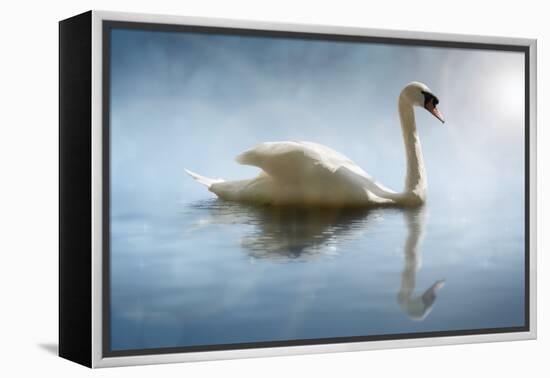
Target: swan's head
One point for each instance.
(418, 94)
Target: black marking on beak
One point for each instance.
(430, 104)
(429, 99)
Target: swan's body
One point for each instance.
(306, 173)
(301, 173)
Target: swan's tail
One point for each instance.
(206, 181)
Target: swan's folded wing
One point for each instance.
(291, 161)
(298, 160)
(294, 162)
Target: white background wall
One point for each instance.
(28, 197)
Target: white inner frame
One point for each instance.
(97, 219)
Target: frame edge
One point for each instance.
(75, 333)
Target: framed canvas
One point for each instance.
(215, 201)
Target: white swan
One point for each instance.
(305, 173)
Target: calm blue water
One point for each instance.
(212, 272)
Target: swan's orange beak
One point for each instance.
(435, 111)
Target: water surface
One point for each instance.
(214, 272)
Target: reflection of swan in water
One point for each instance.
(420, 306)
(295, 233)
(287, 233)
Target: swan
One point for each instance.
(310, 174)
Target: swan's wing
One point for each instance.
(293, 162)
(284, 160)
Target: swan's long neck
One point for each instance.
(415, 182)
